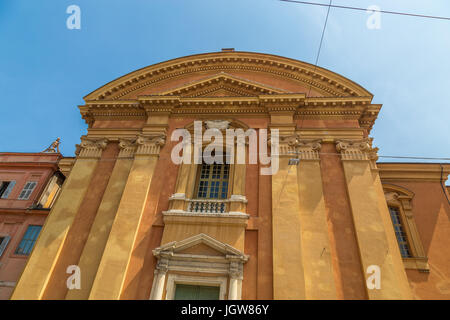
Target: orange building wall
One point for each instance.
(432, 214)
(347, 267)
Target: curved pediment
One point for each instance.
(229, 73)
(395, 191)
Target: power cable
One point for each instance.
(363, 9)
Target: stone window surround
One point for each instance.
(236, 201)
(228, 267)
(401, 198)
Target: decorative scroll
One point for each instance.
(217, 124)
(127, 148)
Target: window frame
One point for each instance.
(174, 278)
(402, 198)
(24, 189)
(4, 243)
(9, 188)
(198, 179)
(23, 239)
(404, 230)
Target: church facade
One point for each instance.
(330, 222)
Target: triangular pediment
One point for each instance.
(222, 85)
(200, 245)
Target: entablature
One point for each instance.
(297, 105)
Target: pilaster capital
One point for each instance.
(91, 148)
(127, 148)
(149, 145)
(163, 265)
(236, 270)
(357, 149)
(305, 149)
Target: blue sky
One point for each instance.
(46, 69)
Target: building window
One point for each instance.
(3, 243)
(6, 188)
(213, 181)
(192, 292)
(51, 191)
(400, 232)
(28, 240)
(27, 190)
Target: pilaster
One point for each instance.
(316, 252)
(44, 257)
(100, 230)
(288, 264)
(110, 277)
(374, 232)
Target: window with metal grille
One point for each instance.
(27, 190)
(400, 232)
(28, 240)
(213, 181)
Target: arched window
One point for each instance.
(400, 232)
(400, 204)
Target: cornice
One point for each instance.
(29, 164)
(65, 165)
(432, 172)
(350, 108)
